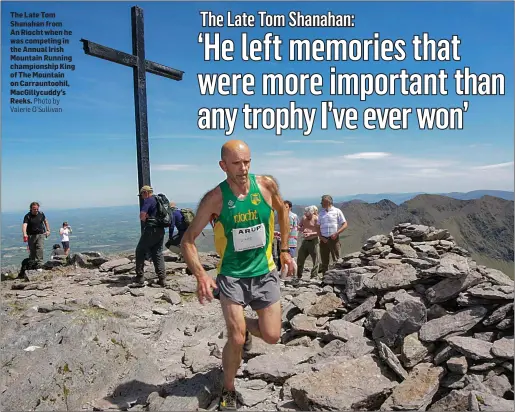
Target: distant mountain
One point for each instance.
(399, 198)
(483, 226)
(476, 194)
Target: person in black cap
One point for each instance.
(151, 240)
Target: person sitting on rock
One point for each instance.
(57, 251)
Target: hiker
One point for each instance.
(331, 223)
(65, 232)
(57, 251)
(151, 240)
(294, 228)
(35, 230)
(244, 228)
(310, 242)
(180, 221)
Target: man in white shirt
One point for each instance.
(331, 223)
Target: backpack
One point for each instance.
(163, 213)
(187, 216)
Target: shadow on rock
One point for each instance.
(188, 394)
(129, 393)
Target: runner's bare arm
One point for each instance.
(210, 204)
(271, 185)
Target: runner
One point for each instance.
(243, 210)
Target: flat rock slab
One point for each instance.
(453, 265)
(487, 402)
(118, 270)
(448, 325)
(451, 287)
(413, 351)
(392, 278)
(324, 305)
(172, 297)
(456, 401)
(405, 250)
(187, 284)
(418, 263)
(279, 366)
(498, 315)
(174, 266)
(111, 264)
(189, 394)
(417, 390)
(340, 386)
(305, 301)
(403, 319)
(489, 291)
(426, 250)
(497, 277)
(362, 310)
(503, 348)
(354, 348)
(199, 358)
(254, 391)
(458, 365)
(304, 324)
(472, 348)
(341, 329)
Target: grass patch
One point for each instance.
(16, 308)
(188, 297)
(128, 354)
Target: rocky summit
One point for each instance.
(410, 322)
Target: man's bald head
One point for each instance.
(233, 146)
(235, 161)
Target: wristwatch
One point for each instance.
(285, 250)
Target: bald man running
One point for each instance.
(241, 209)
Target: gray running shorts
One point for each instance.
(258, 292)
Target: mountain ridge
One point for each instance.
(484, 226)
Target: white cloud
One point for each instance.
(279, 153)
(480, 145)
(182, 136)
(316, 141)
(432, 173)
(417, 163)
(169, 167)
(367, 155)
(307, 176)
(494, 166)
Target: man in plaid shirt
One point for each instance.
(331, 223)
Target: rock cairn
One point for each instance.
(410, 322)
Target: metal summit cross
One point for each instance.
(140, 66)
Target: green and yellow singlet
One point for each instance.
(244, 233)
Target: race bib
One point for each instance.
(248, 238)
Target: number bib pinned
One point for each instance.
(248, 238)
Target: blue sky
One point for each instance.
(86, 156)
